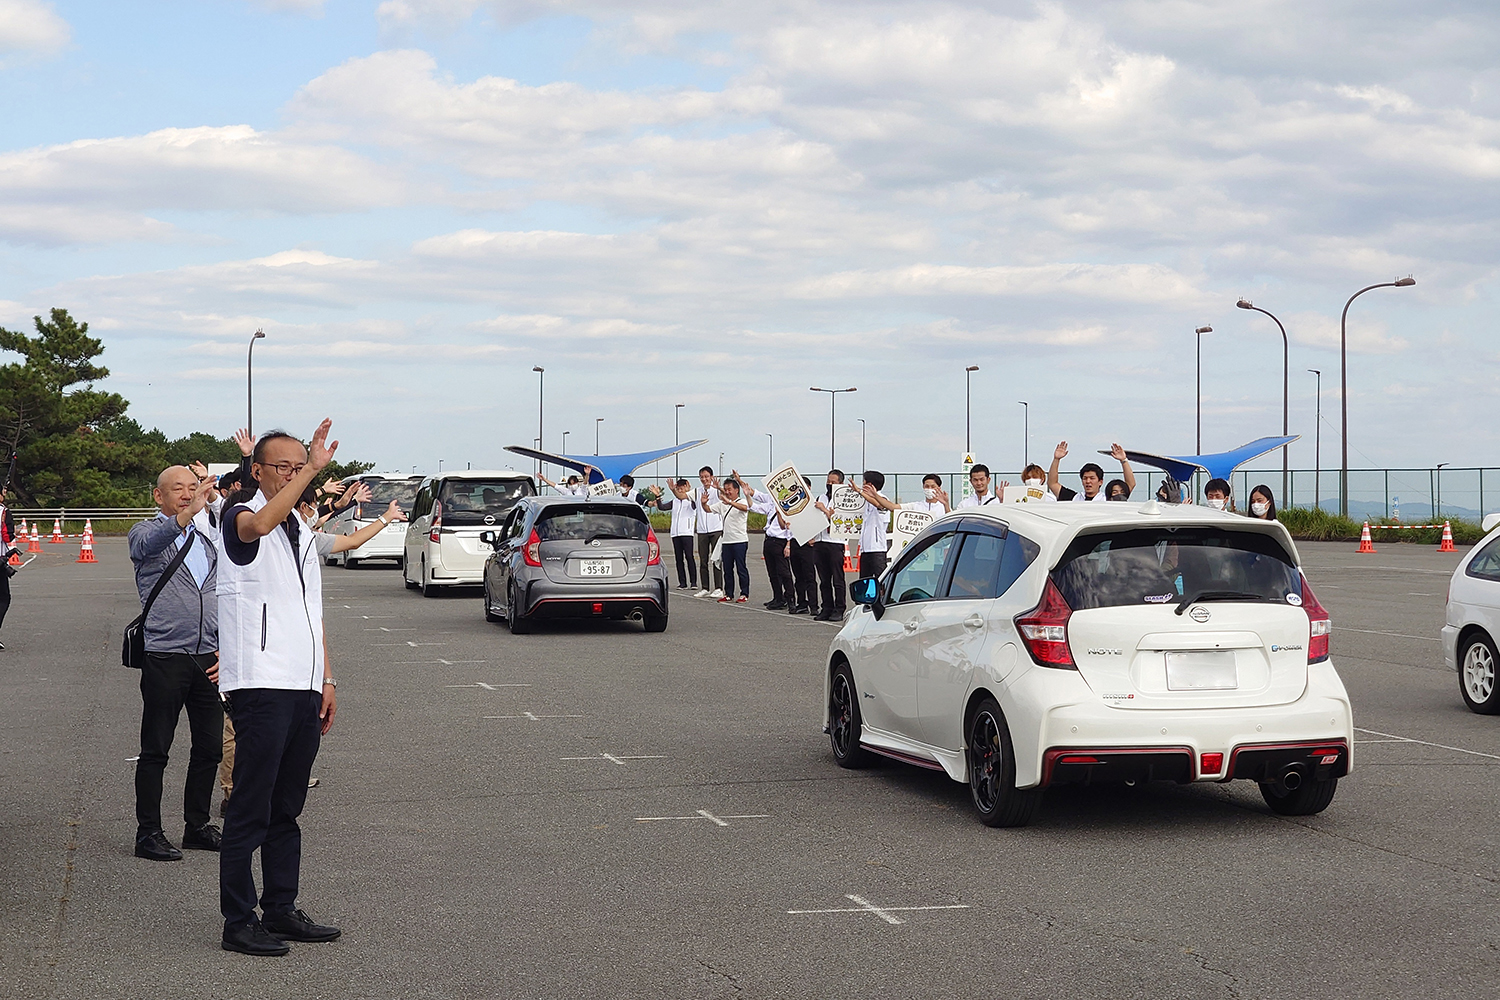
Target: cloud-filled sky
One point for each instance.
(721, 204)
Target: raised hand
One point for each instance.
(394, 513)
(1117, 453)
(1061, 451)
(201, 496)
(362, 493)
(200, 470)
(245, 440)
(321, 452)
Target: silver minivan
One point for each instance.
(450, 510)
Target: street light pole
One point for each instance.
(677, 440)
(1200, 332)
(864, 463)
(770, 453)
(1025, 433)
(1285, 389)
(540, 376)
(1438, 503)
(1317, 443)
(968, 374)
(565, 442)
(1406, 282)
(249, 396)
(597, 422)
(833, 395)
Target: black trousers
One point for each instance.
(872, 563)
(706, 540)
(830, 557)
(805, 573)
(687, 566)
(276, 740)
(779, 569)
(4, 595)
(170, 682)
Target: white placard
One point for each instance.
(603, 488)
(796, 502)
(848, 521)
(906, 525)
(1025, 494)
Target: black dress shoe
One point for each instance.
(776, 606)
(823, 616)
(253, 939)
(155, 846)
(204, 838)
(294, 925)
(793, 610)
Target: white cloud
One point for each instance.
(31, 26)
(310, 8)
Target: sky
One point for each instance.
(723, 204)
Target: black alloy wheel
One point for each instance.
(519, 623)
(992, 771)
(489, 611)
(844, 720)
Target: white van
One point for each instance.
(390, 541)
(450, 510)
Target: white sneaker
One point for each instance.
(716, 593)
(701, 593)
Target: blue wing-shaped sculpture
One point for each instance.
(610, 467)
(1218, 466)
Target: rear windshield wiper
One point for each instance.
(594, 538)
(1216, 595)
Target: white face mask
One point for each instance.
(929, 493)
(1033, 482)
(1259, 508)
(1218, 504)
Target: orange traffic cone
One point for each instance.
(21, 531)
(15, 557)
(1366, 543)
(1446, 545)
(86, 550)
(88, 527)
(57, 535)
(36, 540)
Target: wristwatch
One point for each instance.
(331, 683)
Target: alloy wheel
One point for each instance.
(986, 757)
(1479, 672)
(841, 719)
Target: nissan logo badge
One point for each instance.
(1199, 614)
(489, 519)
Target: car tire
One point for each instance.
(656, 623)
(1304, 800)
(519, 623)
(405, 579)
(490, 615)
(992, 770)
(844, 721)
(428, 588)
(349, 561)
(1478, 666)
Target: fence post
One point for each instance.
(1387, 494)
(1481, 493)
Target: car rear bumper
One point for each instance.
(1450, 646)
(1167, 743)
(545, 599)
(385, 545)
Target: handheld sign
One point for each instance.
(796, 503)
(604, 488)
(848, 522)
(906, 525)
(1025, 494)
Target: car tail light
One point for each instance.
(1321, 625)
(1210, 763)
(532, 553)
(1044, 630)
(437, 521)
(653, 548)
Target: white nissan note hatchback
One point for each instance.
(1018, 647)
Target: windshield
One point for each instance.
(383, 491)
(1165, 565)
(586, 521)
(470, 501)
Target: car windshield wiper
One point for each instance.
(604, 534)
(1216, 595)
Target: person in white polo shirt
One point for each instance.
(872, 537)
(684, 510)
(708, 527)
(983, 496)
(776, 550)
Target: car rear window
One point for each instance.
(469, 501)
(1166, 565)
(383, 491)
(588, 521)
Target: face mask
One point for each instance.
(1259, 508)
(1218, 504)
(1033, 482)
(929, 493)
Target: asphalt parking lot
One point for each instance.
(592, 811)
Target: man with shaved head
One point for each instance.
(182, 660)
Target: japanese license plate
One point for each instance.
(595, 567)
(1205, 670)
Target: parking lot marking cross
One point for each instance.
(526, 715)
(886, 913)
(489, 687)
(620, 758)
(703, 814)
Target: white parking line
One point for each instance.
(778, 614)
(1397, 635)
(618, 759)
(703, 814)
(886, 913)
(531, 716)
(1441, 746)
(487, 687)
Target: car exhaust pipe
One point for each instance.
(1291, 779)
(637, 616)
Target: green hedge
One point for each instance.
(662, 521)
(1315, 525)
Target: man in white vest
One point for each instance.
(271, 670)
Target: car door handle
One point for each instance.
(974, 621)
(909, 626)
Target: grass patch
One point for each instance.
(662, 521)
(1315, 525)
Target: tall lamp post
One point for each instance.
(249, 365)
(1406, 282)
(863, 462)
(540, 376)
(1285, 388)
(597, 422)
(1437, 504)
(1317, 443)
(968, 376)
(1025, 433)
(833, 396)
(1200, 332)
(565, 441)
(677, 440)
(770, 453)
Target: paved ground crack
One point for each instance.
(1232, 982)
(733, 982)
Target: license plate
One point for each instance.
(595, 567)
(1206, 670)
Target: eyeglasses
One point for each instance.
(285, 468)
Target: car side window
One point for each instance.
(1020, 552)
(976, 571)
(1486, 562)
(422, 505)
(919, 577)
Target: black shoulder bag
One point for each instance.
(133, 649)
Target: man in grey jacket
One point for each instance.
(182, 661)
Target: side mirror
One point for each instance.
(1490, 522)
(866, 591)
(489, 538)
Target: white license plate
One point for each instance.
(1207, 670)
(595, 567)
